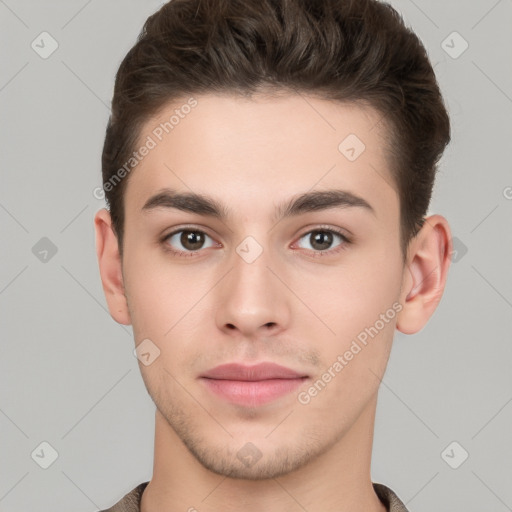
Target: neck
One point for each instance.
(337, 480)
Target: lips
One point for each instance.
(251, 386)
(262, 371)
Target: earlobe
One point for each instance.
(425, 275)
(109, 262)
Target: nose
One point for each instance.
(251, 299)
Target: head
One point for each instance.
(254, 104)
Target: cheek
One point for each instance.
(362, 311)
(167, 302)
(378, 277)
(354, 362)
(354, 296)
(149, 311)
(155, 297)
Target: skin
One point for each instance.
(287, 306)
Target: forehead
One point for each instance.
(261, 151)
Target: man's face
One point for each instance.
(255, 287)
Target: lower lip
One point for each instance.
(252, 393)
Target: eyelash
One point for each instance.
(322, 229)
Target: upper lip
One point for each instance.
(261, 371)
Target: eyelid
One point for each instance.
(187, 227)
(326, 227)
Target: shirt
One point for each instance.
(131, 501)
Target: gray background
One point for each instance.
(68, 374)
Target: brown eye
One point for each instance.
(321, 240)
(187, 241)
(192, 240)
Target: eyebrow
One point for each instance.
(304, 203)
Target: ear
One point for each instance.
(109, 261)
(425, 274)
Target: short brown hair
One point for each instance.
(343, 50)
